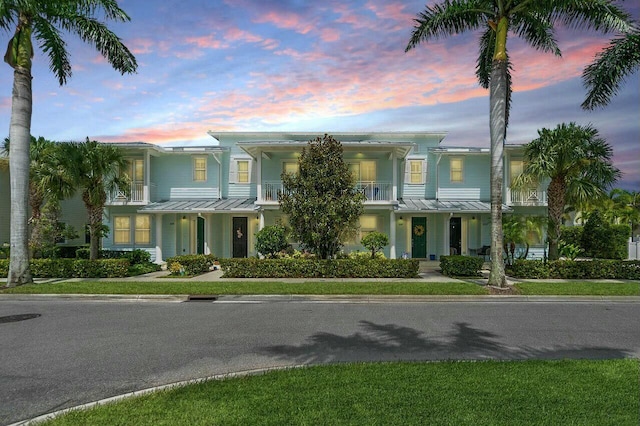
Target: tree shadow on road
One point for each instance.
(390, 342)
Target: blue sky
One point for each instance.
(326, 66)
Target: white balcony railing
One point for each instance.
(136, 195)
(373, 191)
(527, 197)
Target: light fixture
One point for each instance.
(184, 217)
(400, 222)
(473, 218)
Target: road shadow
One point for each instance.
(390, 342)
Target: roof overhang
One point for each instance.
(225, 205)
(256, 148)
(423, 205)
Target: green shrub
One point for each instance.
(4, 268)
(363, 255)
(271, 240)
(461, 266)
(374, 241)
(571, 235)
(193, 264)
(319, 268)
(73, 268)
(604, 241)
(571, 269)
(83, 253)
(139, 257)
(52, 268)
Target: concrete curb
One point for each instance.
(295, 298)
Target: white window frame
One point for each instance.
(451, 170)
(411, 173)
(147, 231)
(199, 170)
(121, 231)
(234, 172)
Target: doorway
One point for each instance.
(419, 237)
(200, 235)
(239, 236)
(455, 235)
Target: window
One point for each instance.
(516, 168)
(364, 171)
(143, 229)
(368, 224)
(290, 167)
(416, 174)
(199, 169)
(455, 166)
(243, 171)
(122, 231)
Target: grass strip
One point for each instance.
(248, 287)
(583, 392)
(579, 288)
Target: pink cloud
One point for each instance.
(329, 35)
(286, 20)
(206, 42)
(140, 46)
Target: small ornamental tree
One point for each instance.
(321, 199)
(271, 240)
(374, 241)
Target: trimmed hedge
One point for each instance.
(319, 268)
(576, 269)
(193, 264)
(461, 266)
(73, 268)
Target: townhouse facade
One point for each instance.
(430, 200)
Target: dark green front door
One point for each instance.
(200, 236)
(419, 237)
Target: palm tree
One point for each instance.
(47, 20)
(531, 20)
(96, 173)
(577, 163)
(603, 77)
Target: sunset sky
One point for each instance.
(329, 66)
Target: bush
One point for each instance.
(83, 253)
(74, 268)
(319, 268)
(570, 269)
(4, 268)
(139, 257)
(193, 264)
(363, 255)
(461, 266)
(571, 235)
(271, 240)
(604, 241)
(374, 241)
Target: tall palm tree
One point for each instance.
(96, 173)
(577, 163)
(47, 20)
(531, 20)
(603, 77)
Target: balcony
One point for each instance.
(139, 194)
(527, 197)
(373, 191)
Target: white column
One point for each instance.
(259, 177)
(394, 179)
(261, 222)
(207, 233)
(392, 234)
(147, 178)
(159, 238)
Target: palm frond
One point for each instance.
(604, 76)
(54, 47)
(94, 32)
(485, 57)
(537, 30)
(599, 15)
(109, 8)
(448, 18)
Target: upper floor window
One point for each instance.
(516, 167)
(199, 169)
(456, 170)
(416, 169)
(290, 167)
(363, 171)
(134, 170)
(243, 171)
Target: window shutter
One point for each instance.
(407, 171)
(424, 171)
(252, 169)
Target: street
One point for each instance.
(61, 353)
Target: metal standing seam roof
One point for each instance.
(202, 206)
(423, 204)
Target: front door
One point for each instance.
(200, 236)
(419, 237)
(239, 236)
(455, 235)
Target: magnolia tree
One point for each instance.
(321, 199)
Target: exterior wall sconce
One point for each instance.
(400, 221)
(184, 217)
(473, 218)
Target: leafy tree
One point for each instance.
(48, 231)
(612, 66)
(321, 199)
(96, 172)
(533, 22)
(271, 240)
(374, 241)
(519, 230)
(47, 20)
(577, 163)
(603, 240)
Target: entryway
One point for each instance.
(239, 236)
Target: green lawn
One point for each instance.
(249, 287)
(443, 393)
(580, 288)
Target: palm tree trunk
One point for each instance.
(556, 200)
(498, 105)
(20, 137)
(95, 231)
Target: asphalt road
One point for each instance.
(76, 352)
